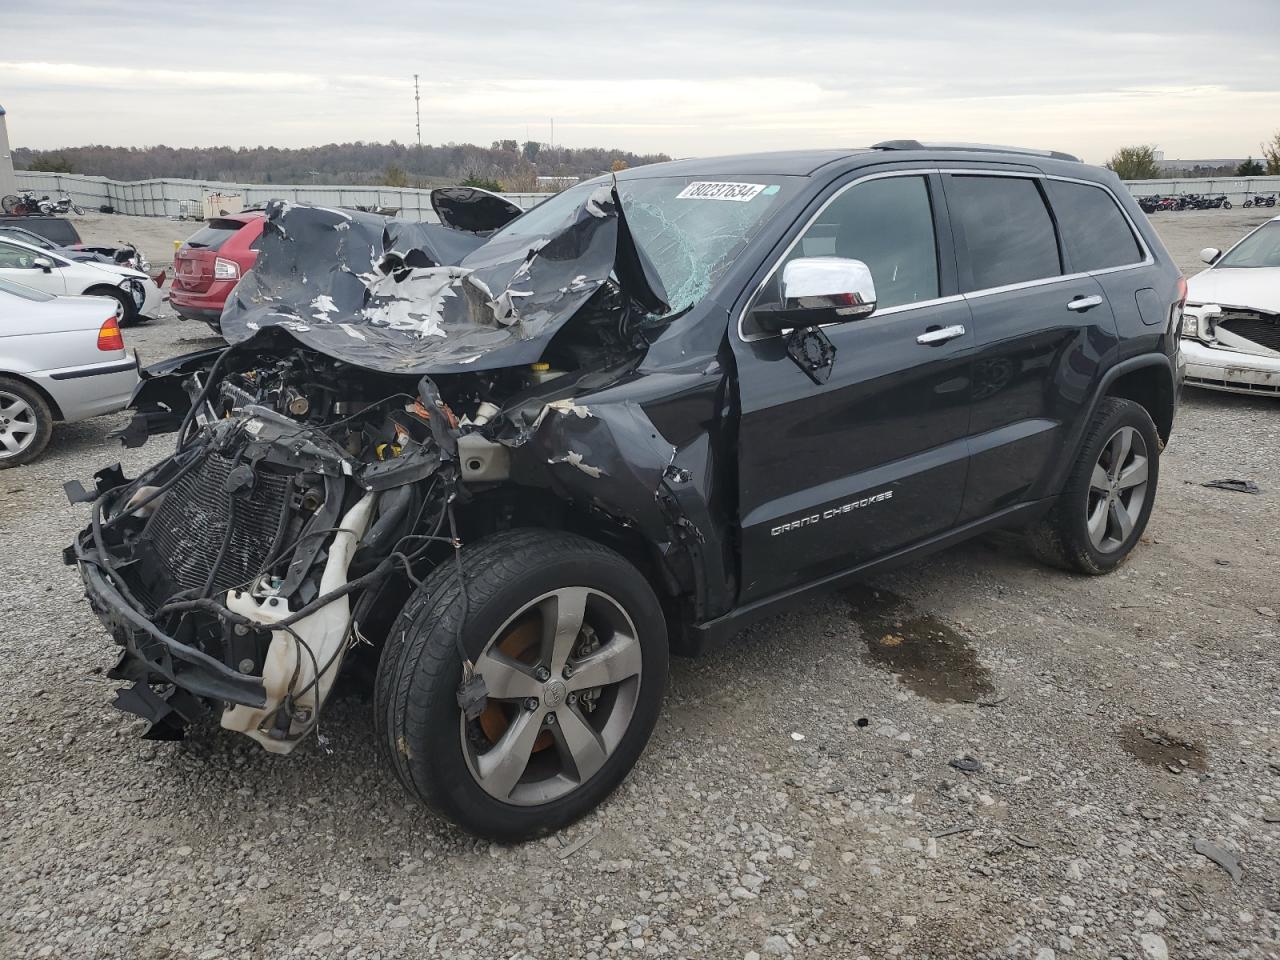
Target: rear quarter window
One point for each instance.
(214, 234)
(1005, 227)
(1095, 232)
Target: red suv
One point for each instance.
(208, 266)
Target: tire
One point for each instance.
(1247, 204)
(129, 314)
(1066, 537)
(1226, 204)
(77, 210)
(26, 423)
(11, 204)
(513, 580)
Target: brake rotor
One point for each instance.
(521, 644)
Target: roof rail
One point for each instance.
(972, 148)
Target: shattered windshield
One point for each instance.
(691, 228)
(1260, 249)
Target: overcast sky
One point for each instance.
(1196, 78)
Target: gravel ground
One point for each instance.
(974, 757)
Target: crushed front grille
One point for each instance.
(187, 533)
(1262, 328)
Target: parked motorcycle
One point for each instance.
(63, 204)
(1260, 200)
(21, 204)
(27, 204)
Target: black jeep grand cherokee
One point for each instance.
(523, 459)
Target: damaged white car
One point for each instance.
(1231, 324)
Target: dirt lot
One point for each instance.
(975, 757)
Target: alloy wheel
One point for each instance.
(18, 425)
(563, 678)
(1117, 490)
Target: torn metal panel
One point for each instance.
(608, 454)
(412, 298)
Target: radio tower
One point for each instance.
(417, 109)
(417, 112)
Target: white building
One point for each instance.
(8, 182)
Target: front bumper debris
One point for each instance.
(150, 654)
(1221, 368)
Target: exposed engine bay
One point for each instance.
(319, 474)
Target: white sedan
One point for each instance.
(61, 358)
(51, 272)
(1231, 324)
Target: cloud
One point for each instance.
(716, 77)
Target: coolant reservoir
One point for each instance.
(542, 372)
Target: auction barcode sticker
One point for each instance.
(708, 190)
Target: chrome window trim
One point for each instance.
(1147, 260)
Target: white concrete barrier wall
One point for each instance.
(1237, 189)
(164, 197)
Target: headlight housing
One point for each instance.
(1197, 321)
(137, 292)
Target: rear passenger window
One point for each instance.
(1005, 226)
(1094, 230)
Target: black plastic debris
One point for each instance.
(1236, 486)
(472, 210)
(965, 765)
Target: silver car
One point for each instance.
(61, 358)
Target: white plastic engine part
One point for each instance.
(324, 631)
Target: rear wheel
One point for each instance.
(1107, 500)
(26, 423)
(571, 643)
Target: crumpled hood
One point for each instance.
(415, 298)
(1255, 287)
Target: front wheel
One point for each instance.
(77, 210)
(1107, 500)
(571, 643)
(1226, 204)
(129, 314)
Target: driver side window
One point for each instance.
(887, 224)
(16, 258)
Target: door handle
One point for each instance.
(941, 335)
(1080, 304)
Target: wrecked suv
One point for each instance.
(510, 464)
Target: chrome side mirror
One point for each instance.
(1210, 254)
(818, 290)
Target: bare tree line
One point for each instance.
(513, 165)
